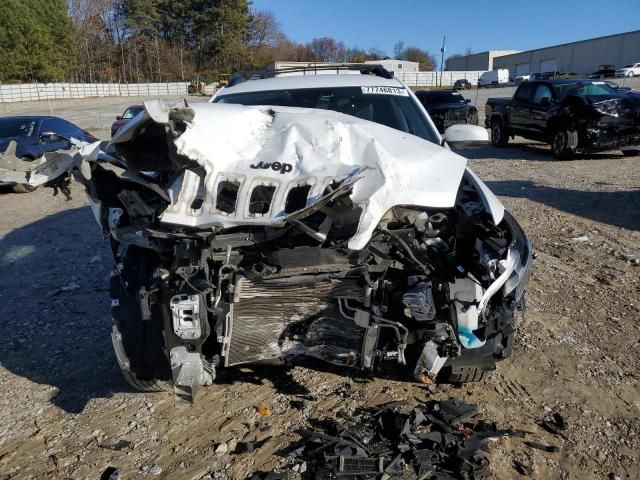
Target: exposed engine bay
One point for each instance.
(272, 234)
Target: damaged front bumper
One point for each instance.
(247, 235)
(611, 138)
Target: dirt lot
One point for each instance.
(65, 412)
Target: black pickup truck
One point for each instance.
(572, 115)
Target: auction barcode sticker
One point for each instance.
(402, 92)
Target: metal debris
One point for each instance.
(439, 440)
(523, 469)
(555, 425)
(540, 446)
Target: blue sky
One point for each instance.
(481, 25)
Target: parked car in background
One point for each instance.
(494, 78)
(630, 70)
(122, 120)
(523, 78)
(447, 107)
(604, 71)
(573, 116)
(462, 84)
(36, 135)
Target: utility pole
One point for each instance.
(444, 38)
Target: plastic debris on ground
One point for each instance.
(438, 440)
(263, 410)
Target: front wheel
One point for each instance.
(564, 143)
(138, 325)
(499, 134)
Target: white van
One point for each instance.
(494, 78)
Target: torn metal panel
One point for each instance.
(283, 148)
(12, 168)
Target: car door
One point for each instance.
(539, 110)
(520, 109)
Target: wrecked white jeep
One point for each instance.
(321, 218)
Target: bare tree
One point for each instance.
(398, 50)
(264, 37)
(327, 49)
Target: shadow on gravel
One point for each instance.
(55, 320)
(528, 151)
(619, 209)
(278, 375)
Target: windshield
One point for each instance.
(131, 112)
(628, 66)
(396, 110)
(17, 127)
(582, 89)
(444, 97)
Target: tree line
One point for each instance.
(156, 41)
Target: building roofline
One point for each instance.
(571, 43)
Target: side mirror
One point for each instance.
(545, 101)
(466, 136)
(50, 137)
(468, 100)
(119, 117)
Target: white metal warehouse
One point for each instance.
(482, 61)
(580, 57)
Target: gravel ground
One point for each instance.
(65, 412)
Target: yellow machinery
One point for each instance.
(196, 87)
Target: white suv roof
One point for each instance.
(311, 81)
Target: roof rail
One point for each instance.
(364, 68)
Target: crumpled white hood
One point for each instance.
(288, 147)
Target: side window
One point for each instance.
(66, 128)
(524, 92)
(59, 126)
(543, 91)
(47, 126)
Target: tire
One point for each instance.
(499, 134)
(144, 385)
(473, 119)
(23, 188)
(630, 75)
(630, 153)
(138, 327)
(563, 143)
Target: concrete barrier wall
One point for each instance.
(430, 79)
(54, 91)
